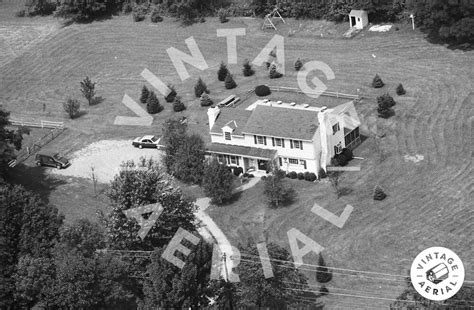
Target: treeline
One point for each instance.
(446, 21)
(451, 21)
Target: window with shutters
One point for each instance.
(260, 140)
(278, 142)
(233, 160)
(297, 144)
(293, 161)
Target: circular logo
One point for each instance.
(437, 273)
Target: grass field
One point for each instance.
(429, 203)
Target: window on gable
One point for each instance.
(227, 135)
(335, 128)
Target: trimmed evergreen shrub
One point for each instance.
(311, 177)
(222, 13)
(385, 112)
(229, 82)
(379, 194)
(222, 72)
(322, 173)
(385, 101)
(306, 175)
(205, 100)
(347, 153)
(377, 82)
(200, 88)
(247, 68)
(172, 95)
(341, 160)
(262, 90)
(300, 176)
(400, 90)
(274, 74)
(144, 95)
(298, 64)
(178, 106)
(292, 175)
(153, 106)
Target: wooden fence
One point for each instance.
(323, 93)
(40, 124)
(56, 129)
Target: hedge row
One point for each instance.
(308, 176)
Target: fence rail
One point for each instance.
(40, 124)
(323, 93)
(34, 147)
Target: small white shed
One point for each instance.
(358, 19)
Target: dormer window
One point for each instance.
(227, 135)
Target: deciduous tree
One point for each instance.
(217, 181)
(174, 136)
(173, 288)
(10, 140)
(254, 290)
(189, 161)
(72, 107)
(276, 191)
(88, 89)
(140, 184)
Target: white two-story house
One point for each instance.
(298, 138)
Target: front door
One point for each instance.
(353, 21)
(262, 165)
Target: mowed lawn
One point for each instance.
(429, 203)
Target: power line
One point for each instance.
(333, 268)
(339, 273)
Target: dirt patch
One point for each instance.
(105, 157)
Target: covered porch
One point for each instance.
(248, 158)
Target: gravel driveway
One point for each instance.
(105, 157)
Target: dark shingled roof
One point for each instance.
(220, 148)
(227, 115)
(282, 122)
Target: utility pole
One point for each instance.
(227, 287)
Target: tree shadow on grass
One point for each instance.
(235, 197)
(34, 179)
(97, 100)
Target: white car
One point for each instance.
(148, 141)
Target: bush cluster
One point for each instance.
(155, 16)
(238, 170)
(385, 104)
(262, 90)
(308, 176)
(343, 158)
(178, 106)
(172, 95)
(222, 14)
(274, 74)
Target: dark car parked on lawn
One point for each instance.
(51, 159)
(146, 141)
